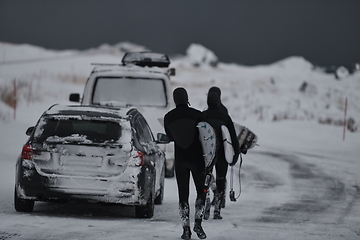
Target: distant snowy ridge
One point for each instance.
(289, 89)
(117, 49)
(22, 52)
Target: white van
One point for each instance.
(141, 81)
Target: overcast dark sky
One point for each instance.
(243, 31)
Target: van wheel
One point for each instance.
(169, 170)
(23, 205)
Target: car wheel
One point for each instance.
(159, 198)
(23, 205)
(146, 211)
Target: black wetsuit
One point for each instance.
(180, 126)
(217, 117)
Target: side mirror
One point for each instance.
(29, 131)
(74, 97)
(162, 138)
(171, 71)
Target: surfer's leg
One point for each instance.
(199, 211)
(183, 179)
(221, 171)
(182, 174)
(198, 174)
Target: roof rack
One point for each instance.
(150, 59)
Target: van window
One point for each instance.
(127, 91)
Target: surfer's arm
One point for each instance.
(234, 140)
(167, 131)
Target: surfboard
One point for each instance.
(228, 147)
(207, 138)
(247, 138)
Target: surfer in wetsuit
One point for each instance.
(217, 117)
(213, 182)
(180, 126)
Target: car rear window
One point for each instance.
(78, 130)
(126, 91)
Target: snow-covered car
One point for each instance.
(142, 80)
(91, 153)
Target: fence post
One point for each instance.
(15, 102)
(30, 93)
(346, 103)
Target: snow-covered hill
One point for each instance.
(290, 89)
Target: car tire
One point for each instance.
(23, 205)
(146, 211)
(159, 198)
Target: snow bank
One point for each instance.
(197, 55)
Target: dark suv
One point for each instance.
(91, 153)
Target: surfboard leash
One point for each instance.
(232, 192)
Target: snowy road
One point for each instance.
(316, 195)
(285, 195)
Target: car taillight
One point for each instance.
(139, 158)
(26, 152)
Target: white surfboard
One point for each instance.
(207, 138)
(228, 147)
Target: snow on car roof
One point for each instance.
(88, 110)
(131, 70)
